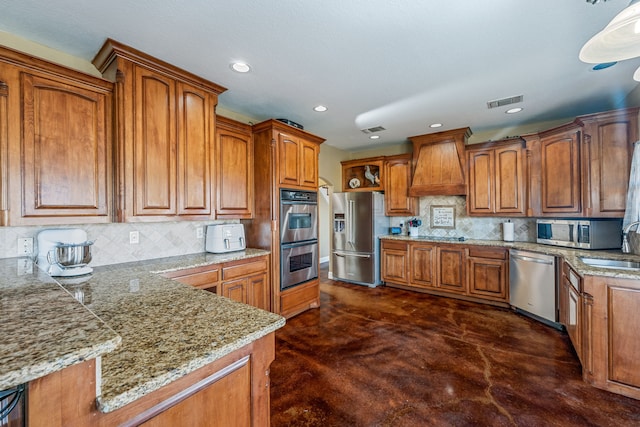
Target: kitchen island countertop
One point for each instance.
(149, 329)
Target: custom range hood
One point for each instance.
(439, 163)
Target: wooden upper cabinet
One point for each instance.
(165, 127)
(366, 174)
(397, 176)
(289, 152)
(55, 143)
(560, 177)
(607, 150)
(497, 182)
(296, 154)
(439, 163)
(234, 168)
(309, 164)
(298, 162)
(196, 110)
(155, 144)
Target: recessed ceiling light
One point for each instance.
(240, 67)
(514, 110)
(435, 125)
(374, 137)
(320, 108)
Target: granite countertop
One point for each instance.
(166, 329)
(572, 256)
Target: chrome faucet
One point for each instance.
(625, 240)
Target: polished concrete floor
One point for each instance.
(387, 357)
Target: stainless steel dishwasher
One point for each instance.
(532, 285)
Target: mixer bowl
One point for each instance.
(70, 255)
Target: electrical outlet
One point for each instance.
(25, 266)
(200, 233)
(25, 245)
(134, 237)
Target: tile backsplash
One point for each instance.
(180, 238)
(111, 241)
(466, 226)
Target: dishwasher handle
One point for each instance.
(530, 259)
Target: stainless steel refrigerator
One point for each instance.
(358, 221)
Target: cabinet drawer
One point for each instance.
(244, 269)
(397, 245)
(487, 252)
(201, 277)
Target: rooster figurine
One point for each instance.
(369, 175)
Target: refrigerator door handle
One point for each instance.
(350, 232)
(342, 254)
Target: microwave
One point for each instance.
(580, 233)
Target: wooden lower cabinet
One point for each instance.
(611, 327)
(230, 392)
(571, 304)
(450, 269)
(476, 273)
(488, 270)
(245, 281)
(423, 265)
(300, 298)
(394, 262)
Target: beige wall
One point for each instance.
(44, 52)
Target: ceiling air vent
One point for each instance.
(373, 129)
(504, 101)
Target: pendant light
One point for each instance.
(617, 41)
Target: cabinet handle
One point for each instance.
(536, 260)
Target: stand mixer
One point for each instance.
(64, 252)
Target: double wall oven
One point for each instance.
(298, 237)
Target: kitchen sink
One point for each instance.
(611, 263)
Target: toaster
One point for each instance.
(223, 238)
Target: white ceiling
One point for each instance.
(399, 64)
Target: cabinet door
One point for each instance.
(509, 180)
(482, 177)
(289, 154)
(235, 289)
(422, 271)
(308, 165)
(258, 294)
(451, 269)
(397, 178)
(232, 391)
(234, 154)
(195, 119)
(206, 277)
(488, 278)
(154, 144)
(560, 177)
(66, 154)
(394, 258)
(608, 150)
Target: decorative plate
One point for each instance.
(354, 183)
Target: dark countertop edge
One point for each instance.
(570, 255)
(116, 402)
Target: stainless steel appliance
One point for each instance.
(533, 286)
(298, 216)
(298, 263)
(580, 233)
(222, 238)
(358, 221)
(64, 252)
(298, 237)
